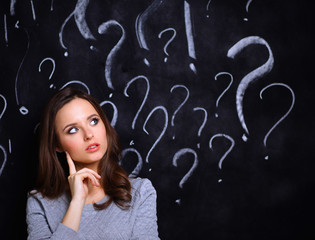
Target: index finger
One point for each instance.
(72, 169)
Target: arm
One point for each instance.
(146, 219)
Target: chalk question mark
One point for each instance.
(247, 6)
(163, 109)
(225, 90)
(103, 28)
(53, 68)
(189, 35)
(4, 106)
(169, 41)
(284, 116)
(177, 155)
(250, 77)
(144, 99)
(115, 114)
(227, 152)
(138, 168)
(204, 121)
(4, 158)
(208, 4)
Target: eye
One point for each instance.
(94, 121)
(72, 130)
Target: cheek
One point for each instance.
(70, 146)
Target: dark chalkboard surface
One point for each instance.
(212, 100)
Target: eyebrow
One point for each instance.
(73, 124)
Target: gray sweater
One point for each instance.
(44, 216)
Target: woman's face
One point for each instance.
(81, 133)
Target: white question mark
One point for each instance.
(115, 114)
(227, 88)
(250, 77)
(227, 152)
(208, 4)
(247, 6)
(77, 82)
(144, 99)
(189, 35)
(53, 68)
(138, 168)
(23, 109)
(5, 105)
(185, 100)
(163, 109)
(285, 115)
(169, 41)
(103, 28)
(4, 158)
(192, 169)
(204, 121)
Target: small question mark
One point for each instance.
(53, 68)
(138, 168)
(169, 41)
(247, 6)
(103, 28)
(191, 170)
(227, 88)
(180, 106)
(163, 109)
(227, 152)
(284, 116)
(4, 107)
(115, 114)
(203, 123)
(144, 99)
(4, 158)
(250, 77)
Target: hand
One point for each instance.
(79, 180)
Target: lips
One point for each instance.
(93, 147)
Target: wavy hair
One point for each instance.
(52, 181)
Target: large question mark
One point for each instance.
(144, 99)
(138, 168)
(23, 109)
(227, 152)
(103, 28)
(204, 121)
(139, 25)
(224, 91)
(250, 77)
(79, 17)
(115, 114)
(284, 116)
(4, 158)
(53, 68)
(191, 170)
(163, 109)
(207, 8)
(169, 41)
(180, 106)
(189, 35)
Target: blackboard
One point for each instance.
(212, 100)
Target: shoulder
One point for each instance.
(140, 185)
(142, 190)
(36, 201)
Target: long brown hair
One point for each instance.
(51, 181)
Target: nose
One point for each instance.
(88, 135)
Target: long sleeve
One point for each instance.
(37, 223)
(145, 226)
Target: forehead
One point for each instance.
(76, 109)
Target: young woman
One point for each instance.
(98, 200)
